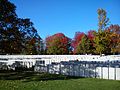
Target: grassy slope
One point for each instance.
(68, 84)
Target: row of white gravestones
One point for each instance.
(103, 70)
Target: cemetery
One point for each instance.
(94, 66)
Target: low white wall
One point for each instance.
(58, 58)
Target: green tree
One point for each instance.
(9, 33)
(102, 19)
(31, 41)
(17, 36)
(102, 42)
(85, 46)
(101, 37)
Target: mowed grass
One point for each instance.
(43, 81)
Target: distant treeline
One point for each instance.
(19, 36)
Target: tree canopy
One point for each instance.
(19, 36)
(58, 44)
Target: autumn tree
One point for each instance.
(84, 46)
(16, 35)
(8, 31)
(102, 19)
(114, 35)
(83, 43)
(58, 44)
(91, 36)
(101, 37)
(76, 41)
(30, 39)
(102, 42)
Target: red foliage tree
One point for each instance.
(114, 38)
(58, 44)
(90, 35)
(77, 39)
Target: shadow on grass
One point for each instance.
(27, 76)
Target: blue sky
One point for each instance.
(66, 16)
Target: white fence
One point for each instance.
(106, 67)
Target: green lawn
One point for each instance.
(38, 81)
